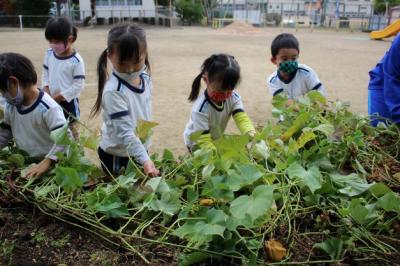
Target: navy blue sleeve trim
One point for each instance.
(79, 77)
(316, 87)
(57, 127)
(306, 70)
(46, 67)
(45, 104)
(277, 92)
(76, 57)
(205, 132)
(237, 111)
(5, 126)
(119, 114)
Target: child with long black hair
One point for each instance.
(213, 108)
(125, 97)
(63, 69)
(30, 115)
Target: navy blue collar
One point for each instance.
(129, 86)
(33, 106)
(291, 77)
(64, 58)
(216, 107)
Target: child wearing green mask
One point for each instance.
(291, 78)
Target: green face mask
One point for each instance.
(289, 67)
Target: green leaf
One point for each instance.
(207, 170)
(127, 181)
(253, 206)
(68, 179)
(297, 125)
(332, 246)
(158, 184)
(60, 135)
(379, 189)
(362, 214)
(113, 207)
(304, 138)
(169, 203)
(310, 177)
(350, 185)
(316, 96)
(192, 258)
(41, 192)
(211, 222)
(260, 150)
(144, 129)
(243, 176)
(390, 202)
(91, 142)
(16, 159)
(326, 129)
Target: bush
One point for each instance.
(189, 11)
(86, 21)
(273, 18)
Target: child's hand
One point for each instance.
(289, 103)
(58, 98)
(150, 169)
(46, 89)
(39, 169)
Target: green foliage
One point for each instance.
(380, 5)
(311, 173)
(189, 11)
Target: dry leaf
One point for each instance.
(206, 202)
(275, 250)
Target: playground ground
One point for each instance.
(341, 59)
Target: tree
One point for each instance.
(380, 5)
(189, 11)
(209, 6)
(29, 7)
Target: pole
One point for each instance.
(170, 13)
(20, 23)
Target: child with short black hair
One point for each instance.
(63, 69)
(30, 115)
(291, 78)
(213, 108)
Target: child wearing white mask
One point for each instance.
(63, 69)
(125, 97)
(30, 114)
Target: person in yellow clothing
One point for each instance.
(213, 108)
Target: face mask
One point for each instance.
(130, 76)
(219, 96)
(17, 100)
(58, 48)
(288, 67)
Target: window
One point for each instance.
(117, 2)
(134, 2)
(102, 3)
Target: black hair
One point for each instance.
(218, 67)
(284, 40)
(60, 29)
(129, 41)
(19, 66)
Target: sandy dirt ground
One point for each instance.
(341, 59)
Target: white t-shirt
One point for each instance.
(123, 105)
(302, 82)
(65, 75)
(31, 126)
(207, 117)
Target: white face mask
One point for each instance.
(130, 76)
(17, 100)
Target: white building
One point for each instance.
(119, 8)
